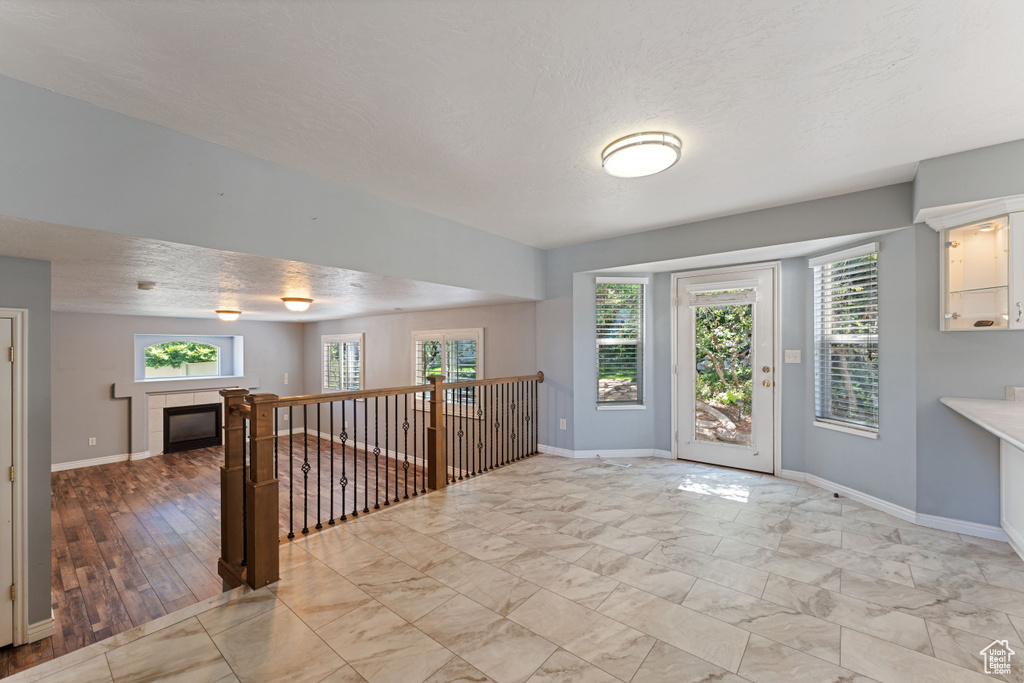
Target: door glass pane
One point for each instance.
(723, 377)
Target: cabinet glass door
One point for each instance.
(977, 270)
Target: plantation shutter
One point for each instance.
(343, 364)
(620, 332)
(456, 354)
(846, 337)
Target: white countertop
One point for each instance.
(1005, 419)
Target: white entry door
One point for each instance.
(6, 489)
(725, 368)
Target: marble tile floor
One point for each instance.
(557, 570)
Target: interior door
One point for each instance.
(726, 368)
(6, 489)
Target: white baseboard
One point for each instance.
(792, 475)
(294, 430)
(141, 455)
(885, 506)
(958, 526)
(105, 460)
(608, 453)
(39, 630)
(553, 450)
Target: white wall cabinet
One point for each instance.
(982, 272)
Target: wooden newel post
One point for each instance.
(437, 443)
(262, 551)
(229, 566)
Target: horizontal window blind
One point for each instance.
(342, 365)
(620, 331)
(846, 340)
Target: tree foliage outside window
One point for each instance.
(723, 345)
(178, 353)
(620, 332)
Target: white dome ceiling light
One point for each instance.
(296, 304)
(641, 154)
(228, 315)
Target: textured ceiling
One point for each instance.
(99, 272)
(494, 113)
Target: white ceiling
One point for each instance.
(99, 272)
(494, 113)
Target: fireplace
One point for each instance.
(188, 427)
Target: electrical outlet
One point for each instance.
(284, 416)
(561, 423)
(286, 378)
(792, 356)
(92, 440)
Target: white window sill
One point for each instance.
(150, 380)
(847, 430)
(622, 407)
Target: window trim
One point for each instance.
(827, 422)
(230, 357)
(443, 336)
(641, 342)
(345, 338)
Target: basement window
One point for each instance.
(180, 357)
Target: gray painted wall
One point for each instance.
(958, 462)
(92, 352)
(887, 467)
(68, 162)
(509, 341)
(26, 284)
(978, 174)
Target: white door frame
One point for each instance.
(19, 318)
(776, 268)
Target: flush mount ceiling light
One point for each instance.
(987, 227)
(296, 304)
(228, 315)
(641, 154)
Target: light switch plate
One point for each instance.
(792, 355)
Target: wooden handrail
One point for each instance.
(310, 399)
(539, 377)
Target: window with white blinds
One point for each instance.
(342, 362)
(846, 338)
(456, 354)
(620, 341)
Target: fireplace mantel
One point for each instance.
(138, 394)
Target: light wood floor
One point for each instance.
(133, 541)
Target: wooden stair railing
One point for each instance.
(495, 421)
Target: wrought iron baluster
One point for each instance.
(536, 421)
(344, 470)
(275, 443)
(331, 479)
(355, 458)
(423, 470)
(462, 428)
(387, 472)
(376, 452)
(291, 474)
(478, 428)
(366, 456)
(415, 450)
(405, 429)
(396, 449)
(319, 441)
(305, 472)
(513, 422)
